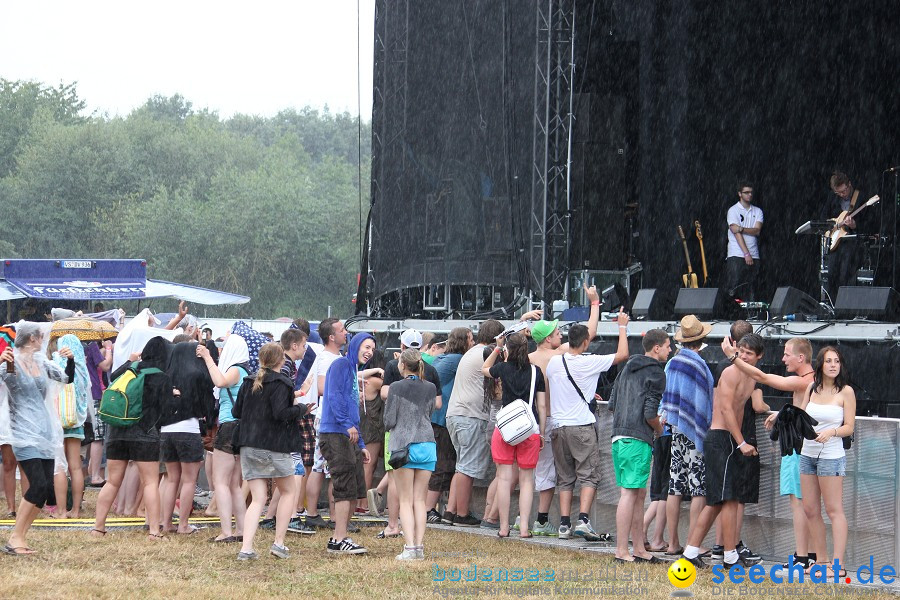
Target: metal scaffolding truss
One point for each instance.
(550, 202)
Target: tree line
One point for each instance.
(265, 207)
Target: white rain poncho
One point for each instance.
(135, 335)
(33, 426)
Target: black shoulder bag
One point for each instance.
(592, 405)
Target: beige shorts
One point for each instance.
(576, 454)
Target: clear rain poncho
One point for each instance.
(32, 422)
(82, 378)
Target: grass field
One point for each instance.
(125, 564)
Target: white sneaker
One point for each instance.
(564, 532)
(420, 552)
(409, 553)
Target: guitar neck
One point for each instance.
(687, 256)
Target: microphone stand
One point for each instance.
(894, 240)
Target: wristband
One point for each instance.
(623, 327)
(744, 443)
(747, 255)
(733, 358)
(302, 393)
(497, 349)
(595, 303)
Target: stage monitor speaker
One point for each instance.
(652, 304)
(789, 300)
(881, 303)
(706, 303)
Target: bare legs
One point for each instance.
(72, 448)
(259, 494)
(182, 479)
(629, 520)
(149, 475)
(830, 489)
(412, 488)
(227, 475)
(9, 476)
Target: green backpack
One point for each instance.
(122, 402)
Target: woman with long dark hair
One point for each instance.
(832, 402)
(517, 376)
(181, 441)
(139, 442)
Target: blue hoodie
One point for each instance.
(340, 403)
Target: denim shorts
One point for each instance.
(823, 467)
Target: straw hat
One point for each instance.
(692, 330)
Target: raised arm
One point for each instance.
(778, 382)
(622, 351)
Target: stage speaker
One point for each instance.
(703, 302)
(652, 304)
(788, 300)
(881, 303)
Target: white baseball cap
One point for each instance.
(411, 339)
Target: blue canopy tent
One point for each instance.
(100, 279)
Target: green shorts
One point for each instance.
(631, 459)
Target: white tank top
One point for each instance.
(829, 416)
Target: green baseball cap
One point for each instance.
(542, 329)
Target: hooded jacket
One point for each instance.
(635, 397)
(340, 400)
(269, 416)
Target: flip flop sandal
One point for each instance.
(15, 551)
(225, 540)
(652, 560)
(676, 553)
(660, 549)
(101, 532)
(382, 535)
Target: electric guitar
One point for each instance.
(841, 231)
(688, 279)
(702, 253)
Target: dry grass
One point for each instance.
(125, 564)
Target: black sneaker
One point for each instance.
(316, 522)
(267, 524)
(467, 521)
(298, 526)
(747, 554)
(740, 561)
(803, 561)
(433, 517)
(697, 562)
(717, 551)
(345, 546)
(449, 518)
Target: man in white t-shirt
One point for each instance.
(333, 336)
(742, 264)
(573, 377)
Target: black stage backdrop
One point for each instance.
(675, 102)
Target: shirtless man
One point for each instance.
(797, 359)
(549, 343)
(722, 440)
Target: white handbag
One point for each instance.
(516, 420)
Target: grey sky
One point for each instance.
(231, 57)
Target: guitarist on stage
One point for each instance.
(742, 264)
(844, 260)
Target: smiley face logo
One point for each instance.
(682, 573)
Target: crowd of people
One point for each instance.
(273, 422)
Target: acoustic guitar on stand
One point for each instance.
(702, 253)
(688, 279)
(840, 230)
